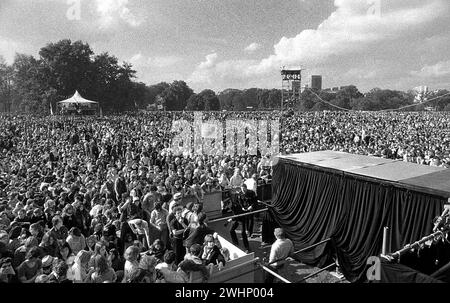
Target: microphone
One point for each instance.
(439, 220)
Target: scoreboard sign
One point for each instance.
(291, 75)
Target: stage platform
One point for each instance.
(422, 178)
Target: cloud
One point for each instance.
(439, 69)
(252, 47)
(112, 10)
(355, 27)
(210, 70)
(8, 49)
(202, 73)
(139, 60)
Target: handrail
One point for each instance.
(312, 246)
(274, 274)
(240, 215)
(316, 273)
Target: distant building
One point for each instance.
(316, 82)
(335, 89)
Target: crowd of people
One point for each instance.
(100, 199)
(416, 137)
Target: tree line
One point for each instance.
(33, 85)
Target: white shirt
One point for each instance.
(280, 250)
(251, 184)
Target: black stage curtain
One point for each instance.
(443, 274)
(399, 273)
(313, 204)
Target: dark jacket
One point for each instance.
(197, 235)
(214, 257)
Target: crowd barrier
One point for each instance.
(212, 201)
(239, 269)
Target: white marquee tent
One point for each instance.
(77, 103)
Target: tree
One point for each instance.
(226, 98)
(274, 99)
(6, 85)
(30, 84)
(154, 91)
(344, 97)
(440, 103)
(210, 100)
(307, 100)
(205, 100)
(378, 99)
(176, 95)
(112, 85)
(193, 103)
(65, 67)
(250, 98)
(139, 94)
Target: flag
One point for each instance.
(51, 109)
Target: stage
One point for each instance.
(350, 199)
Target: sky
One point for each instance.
(220, 44)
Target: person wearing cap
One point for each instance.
(47, 264)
